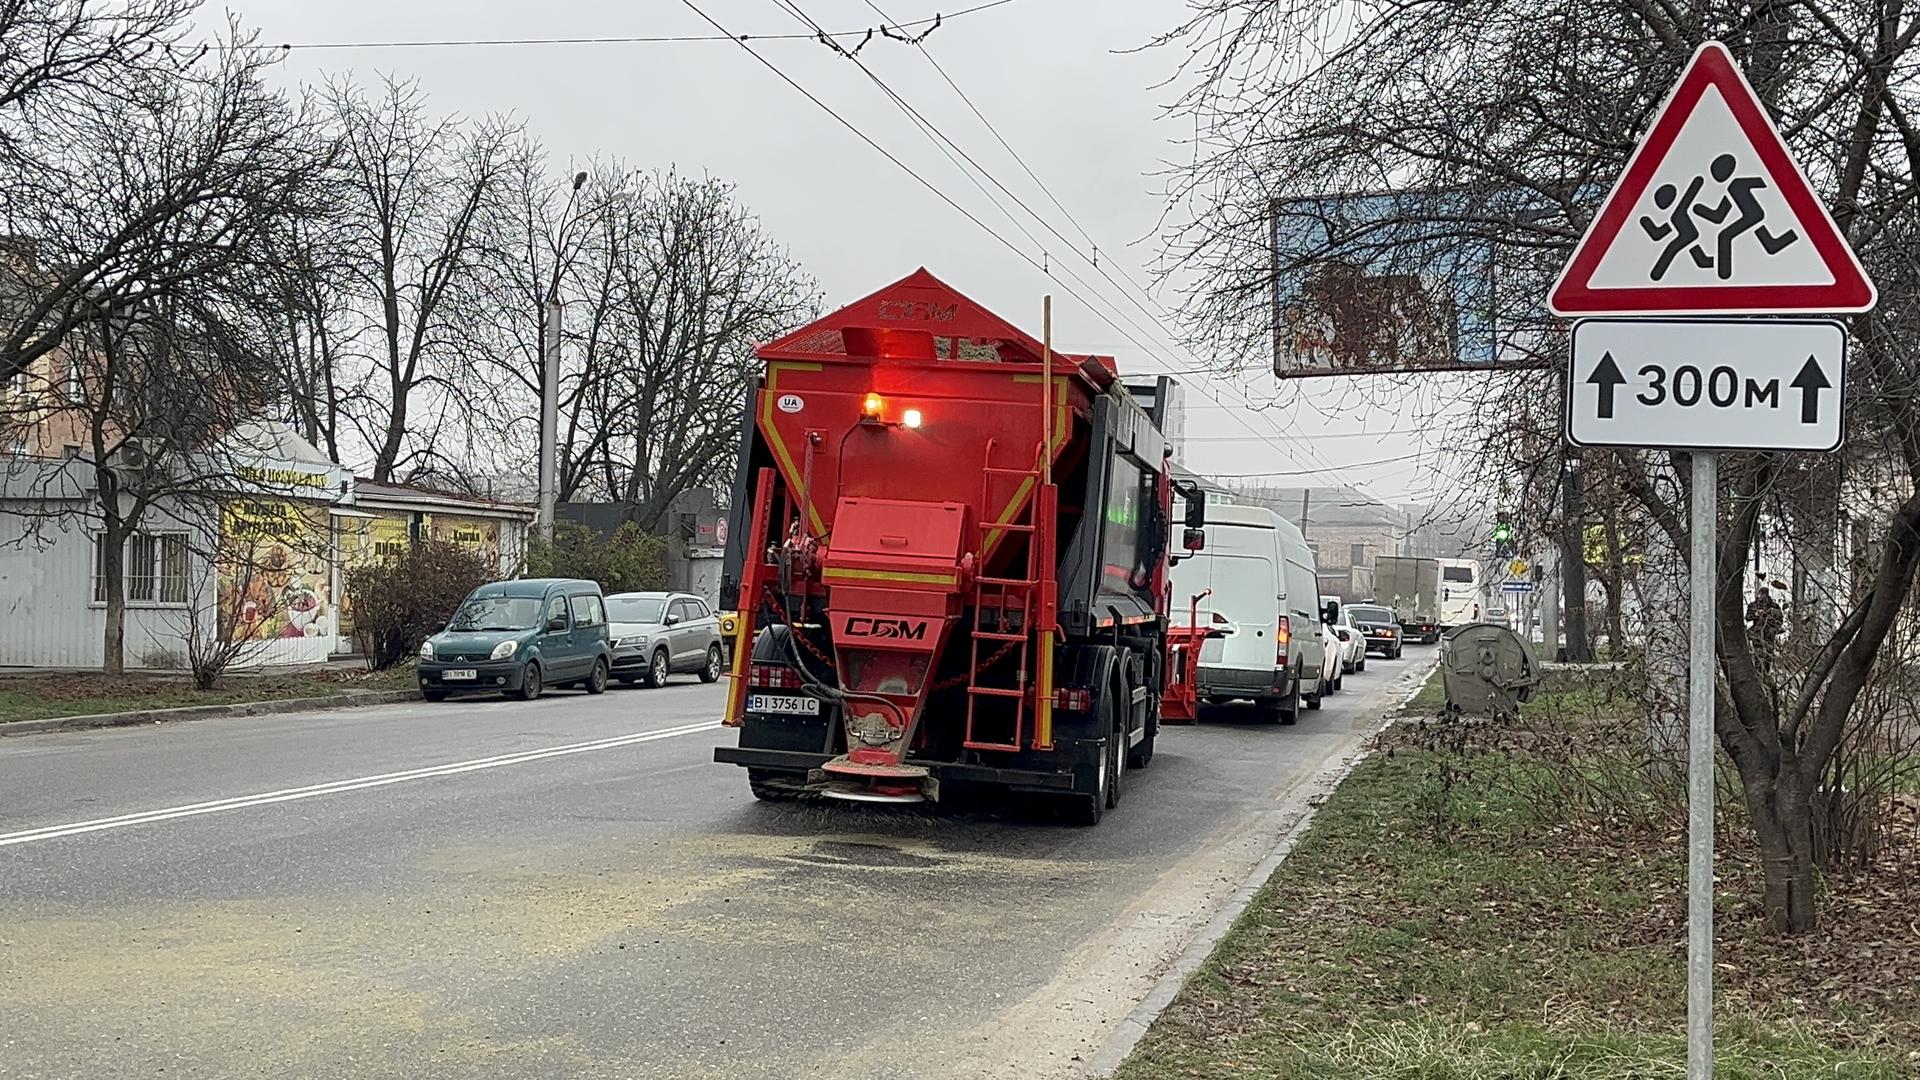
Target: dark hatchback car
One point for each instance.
(520, 637)
(1379, 627)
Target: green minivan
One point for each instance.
(518, 638)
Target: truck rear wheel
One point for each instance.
(1141, 753)
(1085, 806)
(771, 785)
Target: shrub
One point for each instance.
(400, 601)
(631, 560)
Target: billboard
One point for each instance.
(1393, 281)
(275, 571)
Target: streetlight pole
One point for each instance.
(550, 374)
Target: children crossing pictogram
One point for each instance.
(1711, 216)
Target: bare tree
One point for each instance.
(1517, 117)
(155, 365)
(415, 189)
(668, 283)
(54, 47)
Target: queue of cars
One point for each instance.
(1272, 639)
(517, 638)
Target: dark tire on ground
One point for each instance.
(1117, 756)
(1360, 665)
(657, 670)
(1320, 685)
(530, 686)
(1339, 682)
(597, 682)
(772, 785)
(711, 672)
(1397, 650)
(1140, 755)
(1086, 807)
(1290, 709)
(434, 695)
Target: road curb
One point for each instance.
(346, 699)
(1128, 1033)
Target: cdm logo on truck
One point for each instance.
(867, 626)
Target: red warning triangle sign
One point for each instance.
(1711, 216)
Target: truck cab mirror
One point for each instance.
(1331, 614)
(1193, 539)
(1196, 511)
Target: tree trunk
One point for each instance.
(1782, 812)
(113, 576)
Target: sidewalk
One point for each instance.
(43, 700)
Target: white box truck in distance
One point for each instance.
(1460, 584)
(1411, 587)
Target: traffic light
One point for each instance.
(1503, 546)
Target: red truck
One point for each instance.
(948, 555)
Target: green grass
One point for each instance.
(1489, 945)
(34, 697)
(1431, 698)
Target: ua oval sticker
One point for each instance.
(791, 403)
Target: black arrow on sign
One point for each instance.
(1608, 378)
(1810, 382)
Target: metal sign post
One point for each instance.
(1712, 216)
(1703, 575)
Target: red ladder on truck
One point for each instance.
(1007, 599)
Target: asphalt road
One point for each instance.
(573, 888)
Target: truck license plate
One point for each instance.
(787, 704)
(458, 675)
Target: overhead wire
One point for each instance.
(1043, 264)
(910, 171)
(951, 147)
(646, 39)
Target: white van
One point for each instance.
(1459, 592)
(1260, 593)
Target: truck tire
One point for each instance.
(1085, 807)
(1313, 700)
(1290, 708)
(1141, 754)
(766, 785)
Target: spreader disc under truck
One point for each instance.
(948, 552)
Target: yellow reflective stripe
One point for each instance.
(788, 469)
(910, 577)
(1062, 417)
(1043, 695)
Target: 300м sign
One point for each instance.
(1707, 384)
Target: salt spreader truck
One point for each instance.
(948, 554)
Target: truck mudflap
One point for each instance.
(810, 763)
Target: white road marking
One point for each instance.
(145, 817)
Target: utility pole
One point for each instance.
(549, 415)
(1549, 604)
(550, 371)
(1573, 563)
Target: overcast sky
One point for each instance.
(1053, 76)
